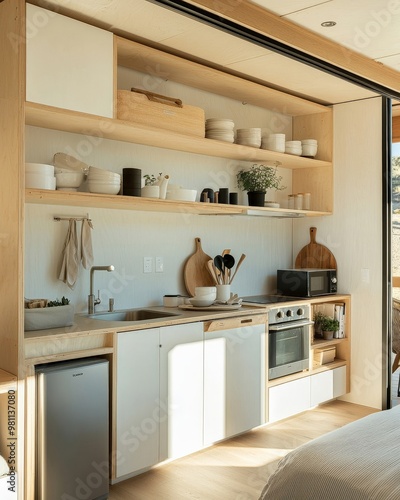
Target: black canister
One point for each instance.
(223, 196)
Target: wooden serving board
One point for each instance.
(195, 272)
(190, 307)
(315, 255)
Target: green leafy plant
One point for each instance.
(149, 180)
(259, 178)
(329, 324)
(55, 303)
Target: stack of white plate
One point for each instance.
(103, 181)
(39, 176)
(274, 142)
(220, 129)
(309, 147)
(293, 147)
(249, 137)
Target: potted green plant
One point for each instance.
(256, 181)
(150, 188)
(329, 326)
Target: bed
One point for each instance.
(360, 461)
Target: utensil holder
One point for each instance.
(223, 292)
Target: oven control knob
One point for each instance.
(300, 312)
(289, 313)
(279, 314)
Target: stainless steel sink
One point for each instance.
(132, 315)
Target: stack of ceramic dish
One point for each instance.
(204, 296)
(273, 142)
(69, 177)
(220, 129)
(103, 181)
(39, 176)
(249, 137)
(309, 147)
(175, 192)
(293, 147)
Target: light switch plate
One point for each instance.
(159, 264)
(147, 264)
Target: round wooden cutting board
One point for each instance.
(195, 272)
(314, 255)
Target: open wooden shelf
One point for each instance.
(77, 199)
(40, 115)
(7, 381)
(140, 58)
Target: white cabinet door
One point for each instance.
(321, 387)
(234, 375)
(181, 389)
(69, 64)
(339, 381)
(288, 399)
(138, 411)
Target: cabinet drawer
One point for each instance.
(229, 323)
(288, 399)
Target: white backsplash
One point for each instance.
(123, 238)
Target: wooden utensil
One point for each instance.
(242, 257)
(212, 271)
(315, 255)
(196, 272)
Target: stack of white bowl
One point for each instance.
(69, 178)
(293, 148)
(309, 147)
(103, 181)
(220, 129)
(39, 176)
(273, 142)
(249, 137)
(204, 296)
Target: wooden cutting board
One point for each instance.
(195, 272)
(315, 255)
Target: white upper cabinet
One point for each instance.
(69, 64)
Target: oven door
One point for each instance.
(288, 348)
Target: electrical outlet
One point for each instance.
(159, 264)
(147, 264)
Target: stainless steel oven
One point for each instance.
(288, 340)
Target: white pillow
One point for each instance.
(4, 470)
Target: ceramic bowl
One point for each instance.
(182, 194)
(195, 301)
(204, 290)
(69, 179)
(103, 187)
(40, 181)
(39, 168)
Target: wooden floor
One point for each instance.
(236, 469)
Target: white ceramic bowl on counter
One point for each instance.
(201, 302)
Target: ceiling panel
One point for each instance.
(149, 23)
(370, 27)
(307, 81)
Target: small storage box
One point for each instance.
(155, 110)
(324, 356)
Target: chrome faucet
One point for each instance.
(92, 301)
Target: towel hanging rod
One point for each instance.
(58, 219)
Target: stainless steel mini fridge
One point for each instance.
(72, 430)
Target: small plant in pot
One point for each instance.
(329, 326)
(256, 181)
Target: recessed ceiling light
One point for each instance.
(328, 24)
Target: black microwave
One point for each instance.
(306, 282)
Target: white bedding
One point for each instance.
(360, 461)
